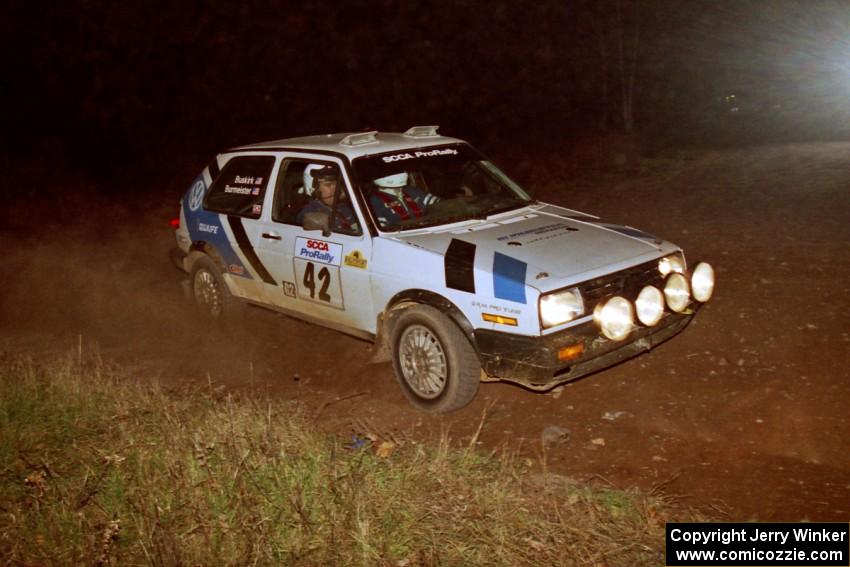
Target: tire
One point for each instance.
(434, 363)
(209, 292)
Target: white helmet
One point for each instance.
(316, 171)
(396, 181)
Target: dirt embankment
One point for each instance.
(743, 412)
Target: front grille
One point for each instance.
(626, 283)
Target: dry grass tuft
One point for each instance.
(99, 469)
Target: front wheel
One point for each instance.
(433, 361)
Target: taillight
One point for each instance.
(175, 223)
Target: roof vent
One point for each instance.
(422, 132)
(360, 139)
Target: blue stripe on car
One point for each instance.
(509, 278)
(204, 226)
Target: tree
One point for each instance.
(627, 61)
(617, 40)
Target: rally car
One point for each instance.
(419, 243)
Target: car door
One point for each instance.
(322, 277)
(229, 223)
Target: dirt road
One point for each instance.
(742, 414)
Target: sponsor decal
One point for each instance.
(289, 289)
(257, 209)
(497, 308)
(320, 251)
(458, 265)
(237, 190)
(356, 260)
(420, 154)
(509, 278)
(210, 228)
(541, 232)
(196, 195)
(236, 269)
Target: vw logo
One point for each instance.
(196, 195)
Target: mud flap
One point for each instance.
(177, 256)
(186, 289)
(380, 354)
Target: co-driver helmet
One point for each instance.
(393, 183)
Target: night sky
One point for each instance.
(110, 85)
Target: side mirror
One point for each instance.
(316, 221)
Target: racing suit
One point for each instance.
(392, 208)
(344, 221)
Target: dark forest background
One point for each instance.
(109, 85)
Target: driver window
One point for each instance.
(309, 186)
(290, 195)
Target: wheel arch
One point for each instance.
(201, 248)
(421, 297)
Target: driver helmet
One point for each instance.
(392, 183)
(315, 172)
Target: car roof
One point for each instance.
(353, 144)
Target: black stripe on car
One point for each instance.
(213, 167)
(459, 262)
(245, 245)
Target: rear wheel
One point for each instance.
(434, 362)
(212, 298)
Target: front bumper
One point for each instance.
(533, 361)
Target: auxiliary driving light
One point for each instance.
(702, 282)
(672, 263)
(615, 318)
(677, 292)
(649, 305)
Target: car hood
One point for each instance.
(558, 245)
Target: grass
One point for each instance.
(97, 468)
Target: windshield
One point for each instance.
(430, 186)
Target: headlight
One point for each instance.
(560, 307)
(649, 305)
(672, 263)
(702, 282)
(615, 318)
(677, 292)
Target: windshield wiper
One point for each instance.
(458, 218)
(497, 210)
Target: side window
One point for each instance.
(307, 186)
(239, 188)
(290, 194)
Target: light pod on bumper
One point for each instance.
(702, 282)
(677, 292)
(615, 318)
(649, 305)
(672, 263)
